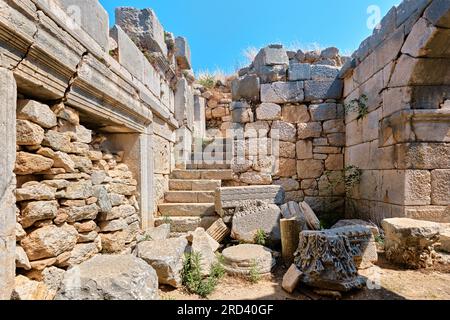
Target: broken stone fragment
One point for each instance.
(88, 212)
(166, 256)
(311, 219)
(291, 279)
(113, 242)
(84, 251)
(22, 261)
(36, 211)
(121, 277)
(28, 133)
(35, 191)
(63, 160)
(79, 190)
(161, 232)
(28, 163)
(205, 246)
(36, 112)
(26, 289)
(57, 141)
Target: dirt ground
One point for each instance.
(396, 284)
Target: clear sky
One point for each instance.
(220, 30)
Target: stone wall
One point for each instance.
(288, 126)
(75, 197)
(396, 90)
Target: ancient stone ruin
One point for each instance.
(118, 166)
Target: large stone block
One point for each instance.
(247, 88)
(323, 112)
(437, 13)
(232, 197)
(283, 131)
(90, 16)
(407, 187)
(308, 169)
(184, 104)
(271, 56)
(299, 71)
(162, 158)
(268, 111)
(440, 187)
(323, 89)
(282, 92)
(295, 113)
(36, 112)
(182, 53)
(143, 26)
(322, 72)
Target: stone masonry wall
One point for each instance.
(288, 126)
(397, 88)
(75, 198)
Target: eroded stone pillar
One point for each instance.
(8, 98)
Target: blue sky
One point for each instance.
(220, 30)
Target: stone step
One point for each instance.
(189, 196)
(221, 174)
(187, 209)
(186, 224)
(194, 185)
(207, 166)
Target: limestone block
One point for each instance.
(440, 187)
(247, 88)
(117, 277)
(218, 231)
(199, 116)
(322, 72)
(37, 210)
(268, 111)
(309, 130)
(88, 212)
(323, 112)
(35, 191)
(240, 260)
(28, 163)
(323, 89)
(304, 149)
(113, 225)
(113, 242)
(79, 190)
(259, 216)
(291, 279)
(287, 184)
(29, 290)
(283, 131)
(58, 141)
(166, 257)
(299, 71)
(436, 13)
(282, 92)
(334, 162)
(232, 197)
(241, 115)
(270, 56)
(84, 251)
(286, 150)
(93, 17)
(269, 74)
(144, 26)
(256, 178)
(334, 126)
(407, 187)
(184, 104)
(444, 239)
(295, 113)
(286, 167)
(182, 53)
(36, 112)
(410, 242)
(161, 151)
(205, 246)
(28, 133)
(307, 169)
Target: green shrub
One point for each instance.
(255, 274)
(207, 80)
(261, 237)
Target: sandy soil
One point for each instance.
(396, 284)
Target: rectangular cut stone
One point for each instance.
(247, 87)
(199, 117)
(299, 71)
(291, 279)
(231, 197)
(323, 89)
(322, 72)
(271, 56)
(282, 92)
(183, 53)
(8, 96)
(93, 19)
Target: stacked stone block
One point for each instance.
(75, 199)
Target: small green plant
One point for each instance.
(167, 220)
(261, 237)
(352, 177)
(358, 105)
(147, 237)
(379, 239)
(193, 279)
(255, 274)
(207, 80)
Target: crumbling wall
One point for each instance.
(288, 126)
(397, 122)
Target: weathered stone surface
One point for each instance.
(49, 241)
(79, 190)
(286, 150)
(28, 133)
(113, 242)
(275, 73)
(247, 88)
(307, 169)
(240, 260)
(271, 56)
(36, 112)
(166, 257)
(287, 184)
(311, 219)
(309, 130)
(299, 71)
(28, 163)
(113, 225)
(304, 149)
(440, 187)
(22, 261)
(122, 189)
(357, 222)
(286, 168)
(57, 141)
(241, 115)
(182, 53)
(283, 131)
(282, 92)
(256, 216)
(106, 277)
(35, 191)
(161, 232)
(256, 178)
(87, 236)
(410, 242)
(323, 89)
(323, 112)
(84, 251)
(63, 160)
(444, 239)
(232, 197)
(268, 111)
(103, 199)
(295, 113)
(88, 212)
(36, 211)
(291, 279)
(218, 231)
(26, 289)
(205, 246)
(326, 262)
(323, 72)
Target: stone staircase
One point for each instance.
(189, 203)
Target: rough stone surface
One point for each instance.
(36, 211)
(282, 92)
(35, 191)
(268, 111)
(291, 279)
(166, 257)
(26, 289)
(205, 246)
(257, 216)
(241, 259)
(247, 88)
(28, 163)
(28, 133)
(36, 112)
(106, 277)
